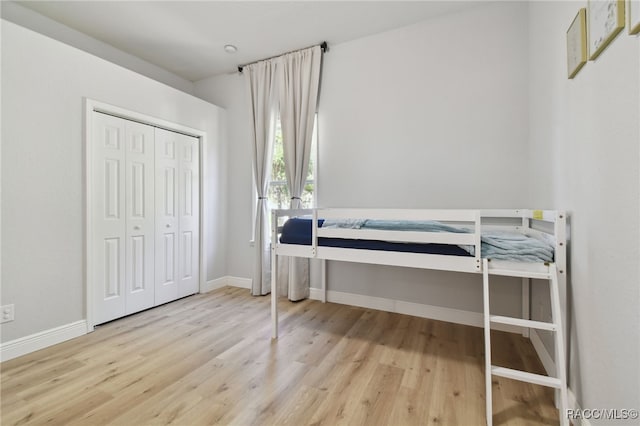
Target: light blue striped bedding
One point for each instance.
(499, 245)
(515, 247)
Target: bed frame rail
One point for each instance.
(471, 219)
(400, 214)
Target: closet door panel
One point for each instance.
(145, 205)
(167, 223)
(140, 218)
(108, 217)
(189, 216)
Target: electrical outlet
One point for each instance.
(7, 312)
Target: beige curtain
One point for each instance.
(298, 77)
(261, 88)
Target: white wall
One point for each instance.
(228, 92)
(28, 18)
(395, 110)
(431, 115)
(585, 158)
(428, 116)
(43, 85)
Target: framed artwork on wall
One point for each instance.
(577, 43)
(606, 20)
(633, 16)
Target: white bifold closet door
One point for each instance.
(177, 215)
(145, 210)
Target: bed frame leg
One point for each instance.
(323, 278)
(487, 343)
(274, 294)
(526, 304)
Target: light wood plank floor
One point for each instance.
(209, 359)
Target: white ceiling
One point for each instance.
(187, 37)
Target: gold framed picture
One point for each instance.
(633, 16)
(606, 20)
(577, 43)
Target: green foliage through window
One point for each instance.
(278, 193)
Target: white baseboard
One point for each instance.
(41, 340)
(226, 281)
(215, 284)
(439, 313)
(239, 282)
(573, 403)
(44, 339)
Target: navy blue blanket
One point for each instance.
(298, 231)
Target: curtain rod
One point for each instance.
(322, 45)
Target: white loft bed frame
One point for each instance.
(548, 225)
(536, 223)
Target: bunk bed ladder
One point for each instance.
(560, 381)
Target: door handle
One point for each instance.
(137, 228)
(168, 225)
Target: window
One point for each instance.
(278, 192)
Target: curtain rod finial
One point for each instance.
(240, 70)
(323, 46)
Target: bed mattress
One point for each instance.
(298, 231)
